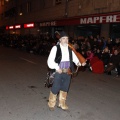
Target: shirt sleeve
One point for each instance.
(75, 59)
(51, 59)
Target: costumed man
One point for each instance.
(61, 59)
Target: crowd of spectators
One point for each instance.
(106, 49)
(40, 45)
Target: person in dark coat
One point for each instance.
(105, 57)
(114, 62)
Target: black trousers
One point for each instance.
(61, 82)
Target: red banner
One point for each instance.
(86, 19)
(30, 25)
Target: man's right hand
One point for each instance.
(59, 71)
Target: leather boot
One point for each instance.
(52, 101)
(62, 99)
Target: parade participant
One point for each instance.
(61, 59)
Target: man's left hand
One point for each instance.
(83, 64)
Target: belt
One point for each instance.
(68, 71)
(65, 70)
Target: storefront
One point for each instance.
(115, 30)
(107, 25)
(103, 24)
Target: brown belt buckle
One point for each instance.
(68, 71)
(64, 70)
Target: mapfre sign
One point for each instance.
(91, 19)
(87, 19)
(51, 23)
(100, 19)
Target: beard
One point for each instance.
(65, 44)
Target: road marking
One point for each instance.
(28, 60)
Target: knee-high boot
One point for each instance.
(62, 100)
(52, 101)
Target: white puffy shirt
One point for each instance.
(65, 57)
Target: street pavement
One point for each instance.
(23, 95)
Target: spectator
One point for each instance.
(105, 56)
(114, 62)
(98, 53)
(90, 55)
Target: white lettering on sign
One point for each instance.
(18, 26)
(101, 19)
(90, 20)
(10, 27)
(53, 23)
(30, 25)
(83, 20)
(115, 18)
(47, 23)
(96, 19)
(109, 19)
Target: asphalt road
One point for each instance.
(24, 97)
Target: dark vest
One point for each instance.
(59, 57)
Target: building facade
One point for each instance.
(77, 17)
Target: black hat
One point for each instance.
(63, 34)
